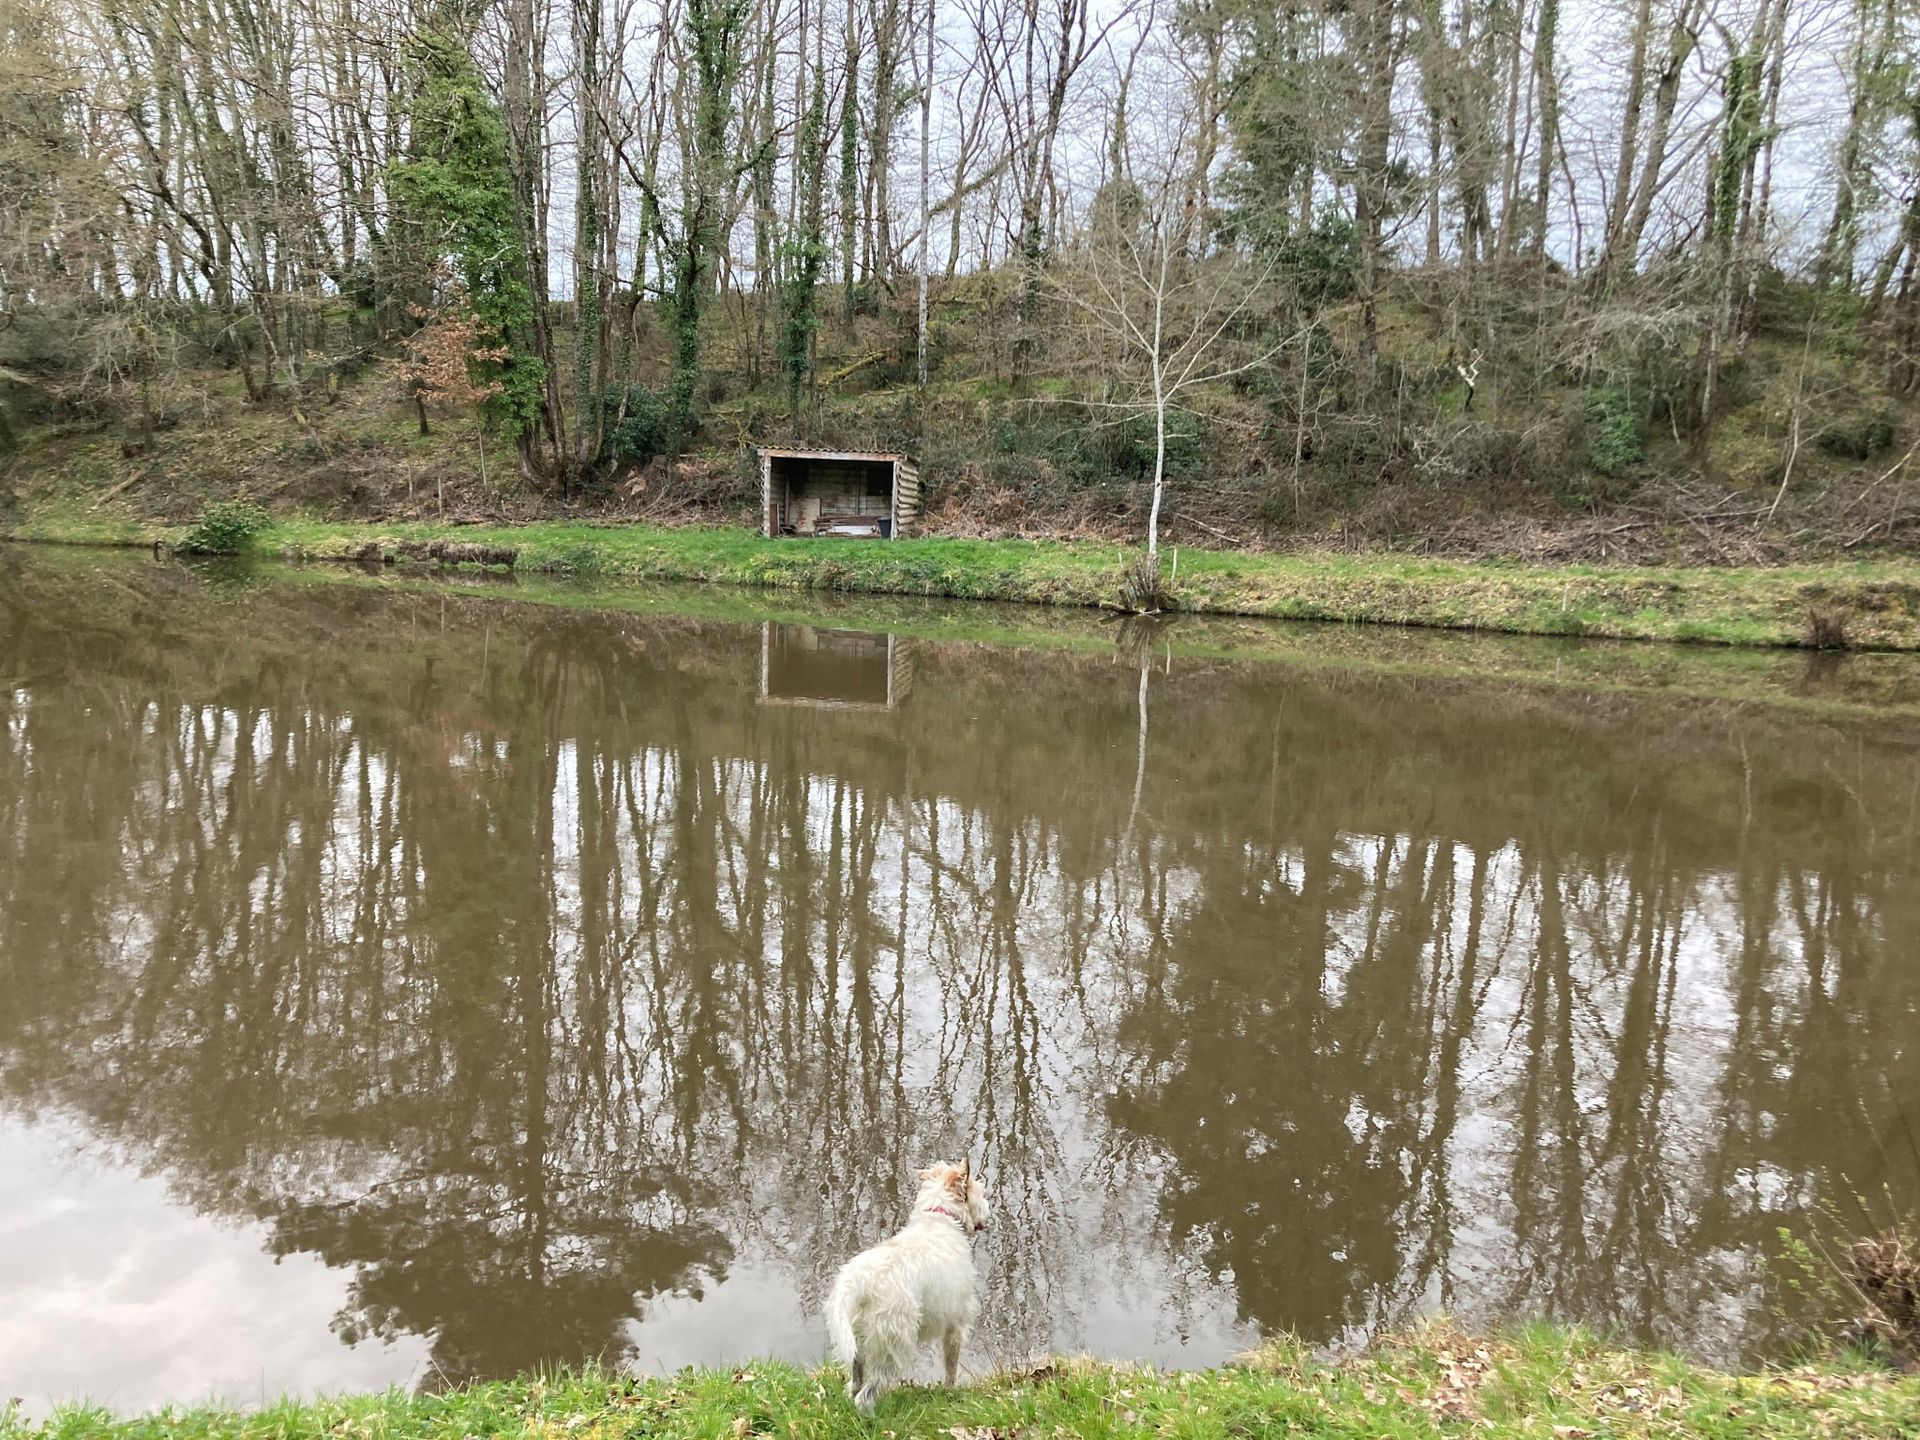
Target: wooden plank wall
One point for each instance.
(906, 496)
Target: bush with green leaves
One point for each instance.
(1124, 447)
(635, 425)
(1616, 438)
(1323, 265)
(225, 528)
(1855, 436)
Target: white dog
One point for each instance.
(889, 1301)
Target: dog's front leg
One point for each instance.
(950, 1348)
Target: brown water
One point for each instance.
(398, 986)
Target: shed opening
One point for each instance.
(853, 494)
(829, 669)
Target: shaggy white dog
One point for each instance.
(915, 1286)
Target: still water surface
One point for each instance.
(399, 987)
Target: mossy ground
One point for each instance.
(1550, 1384)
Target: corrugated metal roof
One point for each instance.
(795, 452)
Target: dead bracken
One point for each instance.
(1886, 1274)
(1826, 628)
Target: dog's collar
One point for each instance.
(942, 1210)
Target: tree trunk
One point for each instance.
(1840, 245)
(926, 166)
(589, 379)
(1681, 42)
(1547, 83)
(850, 163)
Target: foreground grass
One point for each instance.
(1550, 1384)
(1878, 603)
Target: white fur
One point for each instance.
(912, 1288)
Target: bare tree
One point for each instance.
(1179, 322)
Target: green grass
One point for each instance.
(1760, 607)
(1550, 1384)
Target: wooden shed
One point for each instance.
(821, 668)
(864, 494)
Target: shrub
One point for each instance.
(226, 527)
(1144, 588)
(1616, 440)
(583, 562)
(1855, 437)
(1825, 628)
(1125, 449)
(635, 424)
(1858, 1289)
(1324, 264)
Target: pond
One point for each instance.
(407, 982)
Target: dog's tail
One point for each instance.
(840, 1307)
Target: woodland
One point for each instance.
(1610, 278)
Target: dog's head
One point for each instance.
(957, 1185)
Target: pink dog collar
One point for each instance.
(965, 1228)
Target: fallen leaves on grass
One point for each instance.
(1463, 1368)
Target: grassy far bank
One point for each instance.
(1876, 605)
(1550, 1384)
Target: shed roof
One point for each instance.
(780, 452)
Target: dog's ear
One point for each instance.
(925, 1175)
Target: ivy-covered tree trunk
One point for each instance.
(1547, 83)
(456, 195)
(1732, 166)
(806, 251)
(589, 373)
(714, 31)
(542, 436)
(887, 29)
(850, 162)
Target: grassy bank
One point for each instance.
(1548, 1384)
(1875, 605)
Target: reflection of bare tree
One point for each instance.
(525, 965)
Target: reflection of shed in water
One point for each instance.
(873, 494)
(833, 669)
